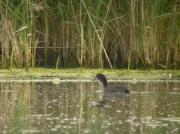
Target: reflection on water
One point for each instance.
(69, 108)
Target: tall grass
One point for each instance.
(105, 33)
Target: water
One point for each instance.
(71, 108)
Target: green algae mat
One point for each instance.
(88, 74)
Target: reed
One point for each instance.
(105, 34)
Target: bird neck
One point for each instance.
(104, 83)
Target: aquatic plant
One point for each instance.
(105, 33)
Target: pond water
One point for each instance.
(71, 108)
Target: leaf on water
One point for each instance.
(55, 81)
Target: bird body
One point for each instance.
(110, 88)
(116, 88)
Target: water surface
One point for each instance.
(71, 108)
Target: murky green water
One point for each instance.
(70, 108)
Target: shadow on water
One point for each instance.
(109, 98)
(69, 108)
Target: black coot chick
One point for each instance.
(111, 89)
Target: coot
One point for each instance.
(110, 89)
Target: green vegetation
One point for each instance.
(88, 74)
(88, 33)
